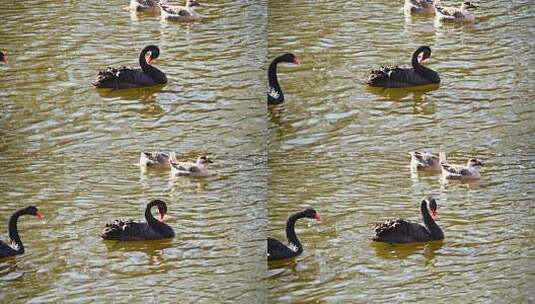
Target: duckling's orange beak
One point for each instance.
(38, 215)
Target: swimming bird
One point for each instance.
(468, 172)
(197, 169)
(125, 77)
(152, 6)
(419, 7)
(156, 159)
(129, 230)
(402, 231)
(455, 14)
(185, 13)
(275, 95)
(3, 58)
(16, 247)
(396, 77)
(276, 250)
(426, 161)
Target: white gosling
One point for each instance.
(181, 13)
(152, 6)
(156, 159)
(419, 7)
(468, 172)
(426, 161)
(455, 14)
(197, 169)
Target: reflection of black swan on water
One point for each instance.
(396, 77)
(277, 250)
(125, 77)
(275, 95)
(18, 247)
(402, 231)
(129, 230)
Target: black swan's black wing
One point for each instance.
(400, 231)
(395, 77)
(278, 251)
(6, 250)
(121, 230)
(122, 78)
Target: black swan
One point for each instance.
(125, 77)
(396, 77)
(277, 250)
(18, 248)
(3, 58)
(275, 95)
(402, 231)
(153, 229)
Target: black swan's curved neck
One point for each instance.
(14, 233)
(148, 69)
(430, 224)
(415, 63)
(275, 94)
(290, 231)
(154, 223)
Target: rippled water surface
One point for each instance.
(342, 148)
(72, 151)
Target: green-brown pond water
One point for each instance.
(72, 151)
(342, 148)
(335, 145)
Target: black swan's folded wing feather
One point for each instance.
(400, 231)
(122, 78)
(394, 77)
(6, 250)
(278, 251)
(129, 230)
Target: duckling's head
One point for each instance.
(203, 160)
(192, 3)
(468, 5)
(474, 162)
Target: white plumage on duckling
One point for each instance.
(181, 13)
(461, 13)
(468, 172)
(146, 5)
(197, 169)
(426, 161)
(156, 159)
(419, 7)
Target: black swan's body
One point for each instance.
(129, 230)
(276, 250)
(402, 231)
(3, 58)
(275, 95)
(125, 77)
(396, 77)
(17, 246)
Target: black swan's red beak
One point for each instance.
(4, 60)
(317, 217)
(434, 214)
(150, 60)
(296, 61)
(39, 215)
(162, 217)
